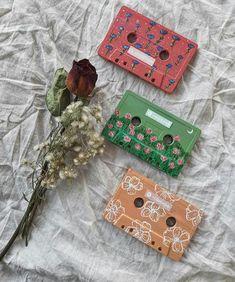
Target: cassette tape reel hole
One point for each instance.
(170, 221)
(164, 55)
(159, 249)
(139, 202)
(116, 60)
(136, 121)
(168, 140)
(153, 243)
(131, 37)
(123, 226)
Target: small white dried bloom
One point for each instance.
(36, 148)
(84, 118)
(62, 174)
(57, 119)
(49, 157)
(75, 124)
(81, 156)
(81, 124)
(77, 148)
(101, 151)
(76, 161)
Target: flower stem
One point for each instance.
(27, 219)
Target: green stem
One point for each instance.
(27, 219)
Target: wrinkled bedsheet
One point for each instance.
(70, 240)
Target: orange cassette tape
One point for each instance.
(155, 216)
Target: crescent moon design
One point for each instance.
(190, 131)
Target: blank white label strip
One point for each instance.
(163, 121)
(141, 56)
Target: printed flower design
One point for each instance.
(149, 130)
(153, 211)
(177, 238)
(127, 139)
(170, 82)
(134, 63)
(147, 150)
(117, 112)
(140, 230)
(128, 16)
(158, 50)
(110, 125)
(112, 133)
(163, 32)
(165, 194)
(168, 67)
(109, 48)
(137, 25)
(171, 165)
(140, 136)
(113, 210)
(138, 45)
(132, 184)
(174, 39)
(128, 116)
(163, 158)
(138, 146)
(176, 151)
(112, 37)
(153, 139)
(177, 138)
(119, 124)
(160, 146)
(121, 28)
(190, 46)
(150, 37)
(194, 215)
(152, 70)
(124, 49)
(132, 132)
(179, 59)
(151, 25)
(131, 126)
(180, 162)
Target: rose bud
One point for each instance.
(82, 78)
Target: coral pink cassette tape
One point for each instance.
(147, 49)
(155, 216)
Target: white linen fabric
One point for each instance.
(70, 241)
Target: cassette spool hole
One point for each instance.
(164, 55)
(123, 226)
(168, 139)
(131, 37)
(136, 121)
(170, 221)
(131, 229)
(116, 60)
(139, 202)
(159, 249)
(153, 242)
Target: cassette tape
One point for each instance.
(151, 133)
(147, 49)
(152, 214)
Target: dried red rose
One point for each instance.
(82, 78)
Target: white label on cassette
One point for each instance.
(163, 121)
(158, 200)
(141, 56)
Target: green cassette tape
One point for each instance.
(151, 133)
